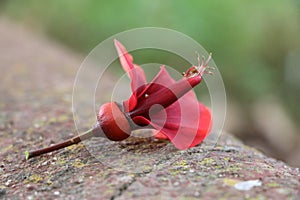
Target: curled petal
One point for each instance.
(135, 72)
(187, 122)
(162, 78)
(184, 131)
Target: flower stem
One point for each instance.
(75, 140)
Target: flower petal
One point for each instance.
(163, 90)
(186, 122)
(135, 72)
(161, 79)
(182, 123)
(159, 135)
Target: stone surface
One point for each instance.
(36, 87)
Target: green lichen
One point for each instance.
(272, 184)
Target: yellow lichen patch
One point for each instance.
(230, 182)
(147, 168)
(38, 123)
(233, 169)
(182, 163)
(61, 161)
(34, 178)
(218, 147)
(62, 118)
(49, 182)
(78, 164)
(226, 158)
(2, 187)
(30, 130)
(174, 172)
(207, 161)
(75, 147)
(109, 192)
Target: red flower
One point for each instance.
(180, 117)
(169, 107)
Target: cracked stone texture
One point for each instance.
(36, 86)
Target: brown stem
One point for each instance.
(75, 140)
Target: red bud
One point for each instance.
(113, 122)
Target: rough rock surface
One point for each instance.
(36, 87)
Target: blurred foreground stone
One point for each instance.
(36, 87)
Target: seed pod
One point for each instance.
(113, 122)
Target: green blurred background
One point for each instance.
(256, 45)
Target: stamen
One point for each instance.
(208, 72)
(208, 59)
(204, 66)
(201, 69)
(198, 58)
